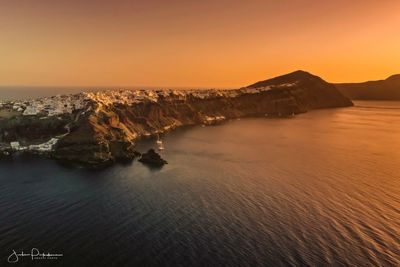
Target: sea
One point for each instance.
(318, 189)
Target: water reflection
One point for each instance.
(320, 189)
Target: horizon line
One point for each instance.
(178, 86)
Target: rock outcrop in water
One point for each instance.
(152, 158)
(105, 126)
(388, 89)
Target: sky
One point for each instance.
(208, 43)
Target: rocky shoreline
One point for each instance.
(104, 129)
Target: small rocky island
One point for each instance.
(99, 128)
(152, 158)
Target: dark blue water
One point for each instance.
(319, 189)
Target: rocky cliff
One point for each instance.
(388, 89)
(106, 132)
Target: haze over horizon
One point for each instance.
(193, 43)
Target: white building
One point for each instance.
(30, 111)
(44, 147)
(15, 145)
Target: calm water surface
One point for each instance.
(319, 189)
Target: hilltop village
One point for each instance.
(47, 106)
(62, 105)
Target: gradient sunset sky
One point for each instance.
(206, 43)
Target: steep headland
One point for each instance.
(100, 128)
(308, 90)
(388, 89)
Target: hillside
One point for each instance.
(388, 89)
(310, 91)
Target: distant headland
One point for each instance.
(388, 89)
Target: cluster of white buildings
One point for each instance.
(127, 97)
(213, 120)
(49, 106)
(266, 88)
(62, 104)
(44, 147)
(130, 97)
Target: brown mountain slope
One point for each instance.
(388, 89)
(309, 91)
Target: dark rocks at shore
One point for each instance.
(94, 145)
(5, 154)
(31, 128)
(123, 152)
(98, 156)
(152, 158)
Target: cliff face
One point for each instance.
(106, 132)
(388, 89)
(30, 128)
(108, 135)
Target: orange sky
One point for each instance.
(206, 43)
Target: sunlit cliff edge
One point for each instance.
(100, 128)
